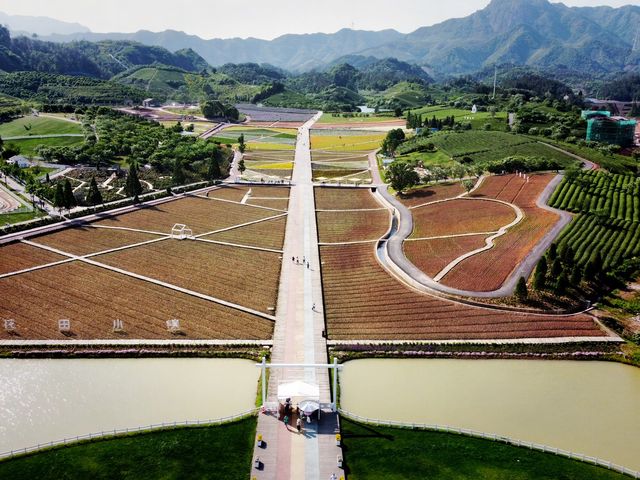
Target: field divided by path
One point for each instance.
(156, 281)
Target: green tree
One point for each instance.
(567, 255)
(561, 283)
(242, 146)
(94, 197)
(401, 175)
(69, 198)
(178, 177)
(593, 268)
(468, 184)
(394, 138)
(133, 188)
(540, 277)
(521, 292)
(241, 166)
(556, 268)
(213, 167)
(553, 252)
(576, 276)
(58, 197)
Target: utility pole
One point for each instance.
(495, 81)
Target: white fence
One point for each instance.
(125, 431)
(498, 438)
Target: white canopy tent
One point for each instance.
(298, 389)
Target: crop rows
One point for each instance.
(332, 198)
(362, 301)
(488, 270)
(93, 297)
(242, 276)
(85, 240)
(336, 226)
(460, 216)
(268, 234)
(19, 256)
(458, 144)
(431, 256)
(618, 196)
(431, 193)
(199, 214)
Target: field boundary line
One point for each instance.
(37, 267)
(351, 209)
(136, 342)
(450, 236)
(155, 281)
(226, 229)
(150, 232)
(238, 203)
(494, 437)
(237, 245)
(480, 341)
(354, 242)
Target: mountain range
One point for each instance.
(525, 32)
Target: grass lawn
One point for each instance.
(477, 120)
(28, 146)
(346, 143)
(38, 126)
(392, 454)
(199, 453)
(430, 159)
(12, 218)
(255, 146)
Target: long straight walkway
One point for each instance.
(298, 338)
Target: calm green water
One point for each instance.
(44, 400)
(585, 407)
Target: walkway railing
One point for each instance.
(497, 438)
(125, 431)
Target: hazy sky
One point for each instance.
(255, 18)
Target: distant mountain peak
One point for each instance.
(40, 25)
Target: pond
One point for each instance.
(46, 400)
(591, 408)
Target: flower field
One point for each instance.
(332, 198)
(342, 166)
(456, 217)
(352, 226)
(85, 240)
(268, 234)
(346, 141)
(246, 277)
(362, 301)
(200, 214)
(92, 298)
(431, 193)
(431, 256)
(488, 270)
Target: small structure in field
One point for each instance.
(10, 325)
(474, 109)
(19, 160)
(181, 232)
(173, 325)
(64, 325)
(118, 326)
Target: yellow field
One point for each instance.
(346, 143)
(255, 146)
(270, 166)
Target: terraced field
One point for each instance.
(362, 301)
(345, 141)
(431, 193)
(92, 298)
(340, 166)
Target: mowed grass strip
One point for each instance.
(85, 240)
(269, 234)
(431, 256)
(31, 125)
(374, 453)
(431, 193)
(332, 198)
(246, 277)
(357, 293)
(199, 214)
(335, 227)
(223, 451)
(488, 270)
(19, 256)
(93, 297)
(455, 217)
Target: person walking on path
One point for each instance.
(299, 424)
(286, 421)
(307, 265)
(313, 307)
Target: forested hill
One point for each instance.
(524, 32)
(98, 60)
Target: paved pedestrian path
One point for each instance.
(298, 338)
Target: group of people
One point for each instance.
(304, 261)
(288, 412)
